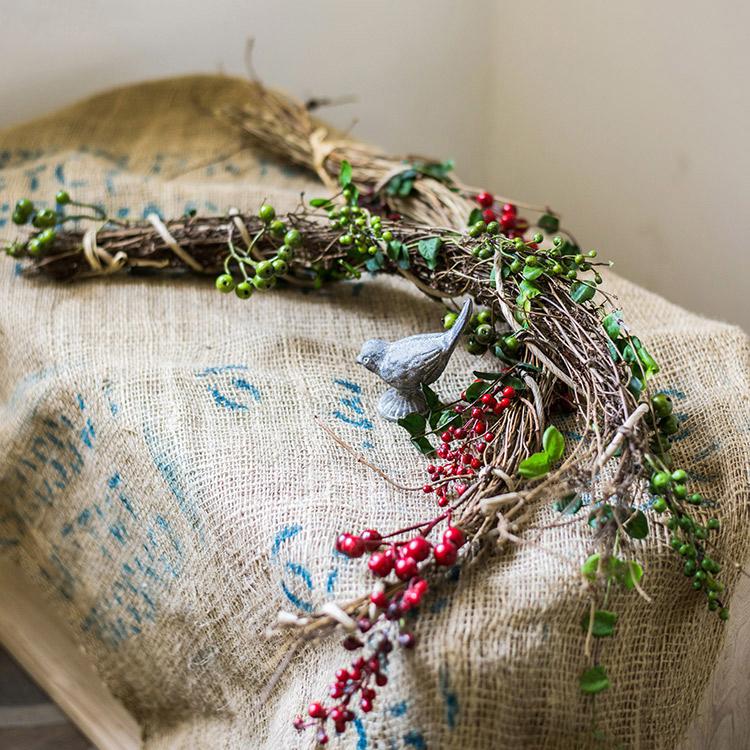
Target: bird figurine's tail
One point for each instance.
(461, 322)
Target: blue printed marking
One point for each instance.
(361, 733)
(286, 533)
(302, 572)
(245, 386)
(415, 739)
(294, 599)
(364, 423)
(449, 698)
(227, 403)
(331, 580)
(398, 709)
(353, 387)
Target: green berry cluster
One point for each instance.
(483, 335)
(244, 274)
(669, 487)
(47, 221)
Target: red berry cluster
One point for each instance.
(511, 224)
(462, 447)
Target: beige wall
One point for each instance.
(630, 118)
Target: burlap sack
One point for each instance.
(162, 479)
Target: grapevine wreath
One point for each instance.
(561, 350)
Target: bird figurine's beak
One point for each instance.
(359, 360)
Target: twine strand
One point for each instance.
(172, 244)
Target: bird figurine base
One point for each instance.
(394, 405)
(408, 364)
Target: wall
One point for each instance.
(629, 118)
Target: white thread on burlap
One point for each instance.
(100, 261)
(172, 243)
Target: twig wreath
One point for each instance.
(492, 455)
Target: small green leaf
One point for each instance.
(375, 262)
(604, 623)
(569, 505)
(532, 272)
(549, 223)
(612, 323)
(600, 516)
(433, 402)
(477, 389)
(631, 574)
(594, 680)
(536, 465)
(650, 366)
(591, 566)
(474, 216)
(529, 290)
(319, 202)
(581, 291)
(345, 174)
(635, 386)
(423, 445)
(415, 424)
(429, 250)
(448, 418)
(553, 443)
(636, 524)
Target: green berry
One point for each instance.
(244, 290)
(572, 274)
(660, 481)
(578, 259)
(679, 475)
(62, 198)
(387, 235)
(280, 267)
(34, 247)
(724, 613)
(372, 250)
(696, 498)
(284, 253)
(293, 238)
(516, 265)
(449, 319)
(484, 316)
(259, 282)
(592, 253)
(713, 524)
(224, 283)
(511, 343)
(14, 249)
(264, 269)
(538, 237)
(19, 217)
(485, 252)
(46, 237)
(476, 229)
(485, 333)
(25, 206)
(45, 218)
(531, 260)
(266, 213)
(690, 568)
(713, 605)
(675, 542)
(662, 404)
(679, 491)
(475, 347)
(493, 228)
(518, 242)
(660, 505)
(697, 584)
(346, 239)
(278, 228)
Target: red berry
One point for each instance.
(336, 691)
(336, 714)
(488, 400)
(507, 221)
(381, 679)
(454, 536)
(321, 738)
(509, 208)
(431, 469)
(522, 225)
(406, 640)
(317, 711)
(365, 705)
(427, 489)
(380, 563)
(509, 391)
(460, 433)
(476, 463)
(485, 199)
(342, 675)
(351, 546)
(460, 489)
(409, 600)
(489, 437)
(504, 402)
(442, 502)
(446, 437)
(480, 427)
(406, 568)
(420, 585)
(488, 215)
(379, 599)
(299, 722)
(445, 553)
(419, 548)
(371, 539)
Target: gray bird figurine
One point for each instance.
(407, 363)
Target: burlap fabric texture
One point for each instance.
(162, 479)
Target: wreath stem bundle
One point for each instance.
(561, 346)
